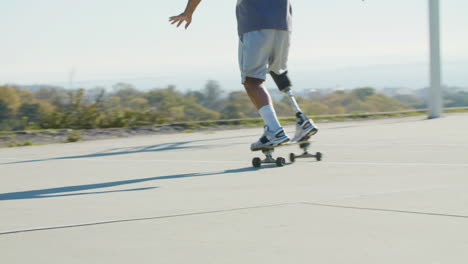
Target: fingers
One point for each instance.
(180, 22)
(175, 19)
(180, 19)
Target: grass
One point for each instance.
(35, 131)
(258, 121)
(74, 136)
(456, 110)
(191, 127)
(12, 144)
(290, 120)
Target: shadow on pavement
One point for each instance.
(133, 150)
(69, 190)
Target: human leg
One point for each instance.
(262, 101)
(305, 127)
(273, 133)
(257, 92)
(254, 52)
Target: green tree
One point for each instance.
(209, 97)
(212, 95)
(4, 110)
(55, 96)
(31, 111)
(96, 95)
(457, 99)
(173, 106)
(410, 101)
(315, 108)
(238, 105)
(382, 103)
(11, 97)
(362, 93)
(129, 96)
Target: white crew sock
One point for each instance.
(269, 116)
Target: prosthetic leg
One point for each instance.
(284, 85)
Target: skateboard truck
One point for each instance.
(257, 162)
(306, 154)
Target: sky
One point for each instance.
(335, 43)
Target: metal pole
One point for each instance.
(435, 90)
(72, 78)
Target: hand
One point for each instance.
(180, 19)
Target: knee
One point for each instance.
(282, 81)
(252, 83)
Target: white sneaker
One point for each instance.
(304, 130)
(270, 138)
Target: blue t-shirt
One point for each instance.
(263, 14)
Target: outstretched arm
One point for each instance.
(186, 15)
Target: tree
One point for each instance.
(173, 106)
(337, 100)
(127, 94)
(163, 99)
(457, 99)
(362, 93)
(55, 96)
(10, 97)
(410, 101)
(4, 110)
(209, 97)
(238, 105)
(196, 112)
(212, 95)
(30, 111)
(96, 94)
(315, 108)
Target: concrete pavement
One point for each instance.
(387, 191)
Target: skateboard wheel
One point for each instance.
(280, 162)
(292, 157)
(257, 162)
(318, 156)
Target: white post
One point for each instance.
(435, 93)
(71, 78)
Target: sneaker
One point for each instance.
(270, 138)
(304, 130)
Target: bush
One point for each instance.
(74, 136)
(12, 143)
(28, 143)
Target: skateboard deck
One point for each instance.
(290, 143)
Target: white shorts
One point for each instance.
(263, 51)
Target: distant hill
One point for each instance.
(36, 87)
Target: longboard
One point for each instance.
(290, 143)
(280, 161)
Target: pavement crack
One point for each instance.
(138, 219)
(384, 210)
(37, 229)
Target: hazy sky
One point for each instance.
(335, 43)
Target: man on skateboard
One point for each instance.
(264, 28)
